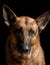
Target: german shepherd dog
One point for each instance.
(23, 42)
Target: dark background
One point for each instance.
(29, 8)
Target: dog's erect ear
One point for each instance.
(43, 20)
(9, 15)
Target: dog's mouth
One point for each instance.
(21, 56)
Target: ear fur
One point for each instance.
(43, 20)
(9, 15)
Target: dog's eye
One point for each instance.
(31, 32)
(19, 31)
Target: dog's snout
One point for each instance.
(23, 48)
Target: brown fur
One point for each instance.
(36, 55)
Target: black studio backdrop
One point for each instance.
(29, 8)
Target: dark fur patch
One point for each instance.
(26, 21)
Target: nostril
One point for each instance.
(26, 49)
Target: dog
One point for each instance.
(23, 45)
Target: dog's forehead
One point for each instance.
(26, 21)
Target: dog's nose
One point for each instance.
(26, 49)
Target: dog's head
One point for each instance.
(24, 31)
